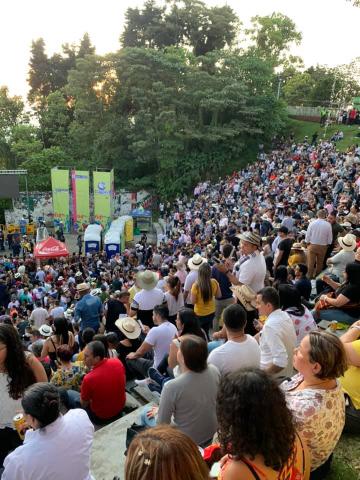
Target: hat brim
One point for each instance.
(244, 238)
(249, 305)
(145, 285)
(192, 265)
(347, 248)
(130, 335)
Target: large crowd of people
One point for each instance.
(231, 319)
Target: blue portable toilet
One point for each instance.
(92, 238)
(112, 242)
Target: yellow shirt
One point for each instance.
(350, 382)
(133, 291)
(201, 308)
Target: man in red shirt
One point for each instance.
(103, 389)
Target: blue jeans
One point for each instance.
(335, 314)
(214, 344)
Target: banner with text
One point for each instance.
(80, 199)
(103, 197)
(60, 197)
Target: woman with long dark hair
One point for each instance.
(257, 431)
(174, 297)
(18, 370)
(187, 323)
(290, 302)
(54, 437)
(344, 305)
(203, 293)
(62, 336)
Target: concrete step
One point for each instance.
(107, 457)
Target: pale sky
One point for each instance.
(330, 28)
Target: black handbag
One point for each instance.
(131, 434)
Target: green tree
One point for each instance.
(39, 73)
(55, 118)
(187, 23)
(298, 89)
(24, 142)
(42, 162)
(85, 47)
(272, 37)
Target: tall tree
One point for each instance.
(39, 72)
(273, 36)
(187, 23)
(85, 47)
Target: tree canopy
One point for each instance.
(188, 95)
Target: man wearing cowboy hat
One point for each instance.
(149, 296)
(251, 268)
(89, 309)
(194, 265)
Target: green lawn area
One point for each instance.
(346, 463)
(301, 128)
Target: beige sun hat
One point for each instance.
(129, 327)
(246, 296)
(82, 287)
(147, 279)
(196, 261)
(347, 242)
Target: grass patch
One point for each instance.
(346, 463)
(300, 128)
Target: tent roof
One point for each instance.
(51, 248)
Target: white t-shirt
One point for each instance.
(160, 338)
(148, 299)
(252, 272)
(70, 437)
(57, 312)
(39, 316)
(277, 343)
(234, 355)
(174, 305)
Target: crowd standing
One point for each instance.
(221, 319)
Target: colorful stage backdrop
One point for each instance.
(103, 197)
(80, 198)
(60, 196)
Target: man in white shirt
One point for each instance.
(38, 316)
(240, 350)
(318, 237)
(250, 270)
(277, 337)
(158, 339)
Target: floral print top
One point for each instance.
(319, 416)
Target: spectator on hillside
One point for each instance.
(315, 397)
(157, 340)
(39, 315)
(164, 453)
(318, 237)
(303, 320)
(88, 310)
(225, 286)
(256, 430)
(277, 337)
(302, 283)
(103, 388)
(189, 400)
(149, 296)
(203, 294)
(240, 350)
(54, 437)
(250, 270)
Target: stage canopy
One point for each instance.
(50, 248)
